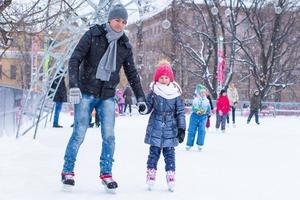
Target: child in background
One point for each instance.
(198, 118)
(166, 126)
(120, 101)
(223, 108)
(211, 109)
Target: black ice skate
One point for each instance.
(67, 180)
(109, 183)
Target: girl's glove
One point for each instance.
(180, 135)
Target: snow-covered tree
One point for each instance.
(30, 18)
(269, 47)
(208, 39)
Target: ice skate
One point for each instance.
(199, 147)
(109, 183)
(188, 148)
(171, 180)
(150, 179)
(68, 181)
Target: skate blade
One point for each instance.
(67, 188)
(110, 191)
(171, 187)
(150, 187)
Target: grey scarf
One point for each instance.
(107, 63)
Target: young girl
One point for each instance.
(200, 112)
(223, 107)
(166, 126)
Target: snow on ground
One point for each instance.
(247, 162)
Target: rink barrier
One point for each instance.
(268, 108)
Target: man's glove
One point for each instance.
(75, 95)
(181, 135)
(142, 107)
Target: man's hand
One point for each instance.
(181, 135)
(75, 95)
(142, 107)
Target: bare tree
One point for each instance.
(269, 47)
(30, 18)
(208, 38)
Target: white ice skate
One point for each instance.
(188, 148)
(150, 179)
(171, 180)
(200, 147)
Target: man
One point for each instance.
(255, 106)
(59, 98)
(100, 53)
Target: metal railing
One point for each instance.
(268, 108)
(10, 107)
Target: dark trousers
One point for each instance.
(154, 154)
(233, 115)
(121, 107)
(255, 113)
(221, 120)
(129, 105)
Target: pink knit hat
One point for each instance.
(163, 70)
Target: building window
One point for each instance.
(13, 72)
(0, 71)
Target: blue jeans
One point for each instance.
(154, 154)
(196, 122)
(58, 106)
(106, 111)
(221, 120)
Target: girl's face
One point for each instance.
(224, 94)
(165, 80)
(202, 94)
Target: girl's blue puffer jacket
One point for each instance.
(166, 117)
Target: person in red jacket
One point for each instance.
(223, 108)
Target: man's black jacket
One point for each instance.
(86, 57)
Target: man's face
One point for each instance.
(117, 25)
